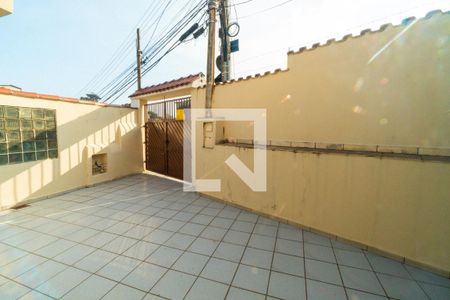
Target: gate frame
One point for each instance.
(166, 112)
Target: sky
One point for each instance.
(59, 47)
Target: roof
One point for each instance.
(168, 85)
(18, 93)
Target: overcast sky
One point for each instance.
(57, 47)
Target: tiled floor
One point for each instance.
(143, 238)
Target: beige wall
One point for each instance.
(337, 94)
(6, 7)
(83, 130)
(333, 94)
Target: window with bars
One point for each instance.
(27, 134)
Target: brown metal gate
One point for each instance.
(165, 136)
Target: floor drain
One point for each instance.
(17, 207)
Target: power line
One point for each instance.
(156, 48)
(240, 3)
(114, 65)
(123, 83)
(119, 51)
(266, 9)
(120, 54)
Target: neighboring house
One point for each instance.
(6, 7)
(178, 87)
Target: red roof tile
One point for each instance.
(168, 85)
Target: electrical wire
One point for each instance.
(240, 3)
(116, 64)
(156, 49)
(119, 51)
(266, 9)
(124, 82)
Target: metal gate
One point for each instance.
(164, 137)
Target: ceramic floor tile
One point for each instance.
(138, 232)
(81, 235)
(74, 254)
(359, 295)
(290, 234)
(345, 246)
(428, 277)
(144, 276)
(213, 233)
(247, 217)
(121, 291)
(263, 229)
(22, 265)
(267, 221)
(172, 225)
(180, 241)
(362, 280)
(174, 285)
(34, 245)
(95, 261)
(204, 289)
(240, 294)
(164, 256)
(119, 245)
(322, 271)
(237, 237)
(401, 288)
(352, 259)
(435, 291)
(94, 287)
(191, 263)
(219, 270)
(40, 274)
(319, 291)
(141, 250)
(243, 226)
(13, 290)
(118, 268)
(222, 222)
(63, 282)
(229, 251)
(287, 286)
(316, 239)
(183, 216)
(262, 242)
(11, 255)
(289, 247)
(154, 222)
(158, 236)
(288, 264)
(203, 246)
(229, 213)
(99, 240)
(152, 297)
(257, 258)
(251, 278)
(34, 295)
(319, 253)
(202, 219)
(388, 266)
(192, 229)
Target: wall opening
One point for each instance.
(99, 164)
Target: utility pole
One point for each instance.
(225, 49)
(139, 59)
(212, 9)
